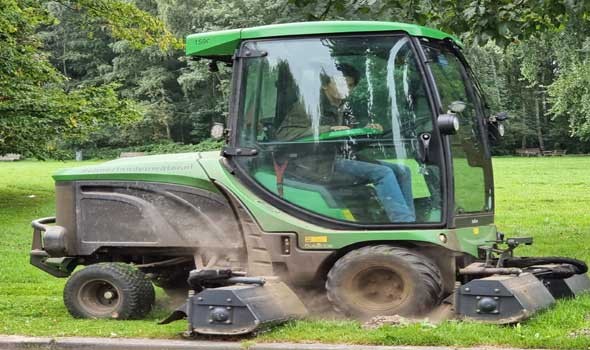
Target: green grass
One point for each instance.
(548, 198)
(31, 300)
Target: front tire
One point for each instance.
(384, 280)
(109, 290)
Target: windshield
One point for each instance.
(338, 124)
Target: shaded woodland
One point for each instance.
(108, 75)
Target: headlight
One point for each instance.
(501, 129)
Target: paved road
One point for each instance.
(45, 343)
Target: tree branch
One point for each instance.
(326, 10)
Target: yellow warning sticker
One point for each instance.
(316, 239)
(476, 230)
(348, 215)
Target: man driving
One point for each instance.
(392, 182)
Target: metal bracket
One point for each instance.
(503, 254)
(425, 141)
(239, 151)
(247, 52)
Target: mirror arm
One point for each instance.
(425, 140)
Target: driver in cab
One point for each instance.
(392, 182)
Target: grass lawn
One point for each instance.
(548, 198)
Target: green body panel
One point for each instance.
(181, 169)
(305, 198)
(201, 169)
(225, 42)
(311, 236)
(318, 200)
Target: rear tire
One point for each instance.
(109, 290)
(384, 280)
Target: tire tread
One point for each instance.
(426, 269)
(139, 291)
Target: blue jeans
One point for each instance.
(392, 182)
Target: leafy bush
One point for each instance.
(155, 148)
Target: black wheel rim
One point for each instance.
(378, 288)
(99, 298)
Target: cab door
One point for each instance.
(471, 164)
(335, 127)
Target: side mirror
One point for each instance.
(448, 124)
(217, 131)
(502, 116)
(496, 129)
(457, 107)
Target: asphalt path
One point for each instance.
(13, 342)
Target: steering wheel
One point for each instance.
(343, 134)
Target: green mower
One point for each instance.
(357, 165)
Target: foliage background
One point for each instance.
(108, 74)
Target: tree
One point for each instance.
(36, 112)
(128, 56)
(478, 21)
(570, 96)
(127, 22)
(41, 108)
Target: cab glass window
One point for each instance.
(337, 123)
(453, 84)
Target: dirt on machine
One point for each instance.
(356, 172)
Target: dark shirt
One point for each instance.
(310, 161)
(297, 123)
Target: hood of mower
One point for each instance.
(181, 169)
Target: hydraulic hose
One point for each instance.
(579, 267)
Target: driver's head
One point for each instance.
(338, 86)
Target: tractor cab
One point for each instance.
(380, 126)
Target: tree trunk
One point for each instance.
(538, 119)
(496, 84)
(167, 125)
(524, 131)
(63, 57)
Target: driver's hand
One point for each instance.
(374, 126)
(339, 127)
